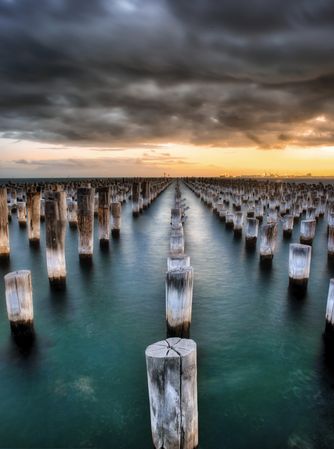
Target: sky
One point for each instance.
(182, 87)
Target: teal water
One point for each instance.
(264, 379)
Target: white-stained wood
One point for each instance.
(4, 230)
(172, 385)
(179, 297)
(19, 301)
(104, 215)
(116, 212)
(34, 215)
(86, 221)
(55, 232)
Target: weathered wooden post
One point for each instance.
(42, 209)
(135, 199)
(307, 231)
(311, 213)
(13, 200)
(72, 213)
(96, 204)
(104, 215)
(146, 194)
(330, 220)
(272, 216)
(86, 222)
(172, 385)
(237, 223)
(176, 243)
(178, 261)
(229, 220)
(288, 222)
(4, 231)
(116, 212)
(259, 212)
(330, 244)
(22, 214)
(19, 303)
(176, 218)
(141, 204)
(179, 297)
(55, 231)
(34, 216)
(296, 211)
(268, 242)
(329, 329)
(299, 266)
(222, 213)
(252, 230)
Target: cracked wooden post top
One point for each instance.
(172, 384)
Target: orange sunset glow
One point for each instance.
(37, 160)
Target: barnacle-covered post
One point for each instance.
(55, 231)
(116, 212)
(252, 230)
(179, 296)
(135, 199)
(34, 215)
(104, 215)
(268, 241)
(288, 222)
(329, 329)
(4, 231)
(172, 386)
(86, 222)
(22, 214)
(307, 231)
(19, 303)
(299, 265)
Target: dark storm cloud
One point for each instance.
(225, 73)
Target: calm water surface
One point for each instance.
(265, 380)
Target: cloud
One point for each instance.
(110, 74)
(146, 164)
